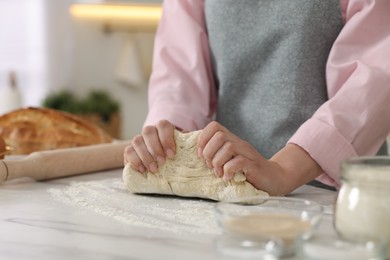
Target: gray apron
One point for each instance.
(269, 59)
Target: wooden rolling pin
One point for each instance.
(51, 164)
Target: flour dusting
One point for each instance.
(110, 198)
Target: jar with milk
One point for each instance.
(362, 209)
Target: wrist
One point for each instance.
(296, 166)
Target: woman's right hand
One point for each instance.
(151, 148)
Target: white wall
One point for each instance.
(97, 56)
(59, 40)
(23, 47)
(50, 50)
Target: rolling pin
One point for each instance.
(51, 164)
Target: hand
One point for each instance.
(227, 154)
(150, 149)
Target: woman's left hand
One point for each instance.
(226, 154)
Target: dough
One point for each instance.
(188, 176)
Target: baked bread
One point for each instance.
(31, 129)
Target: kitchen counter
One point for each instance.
(92, 216)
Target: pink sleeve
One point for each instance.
(356, 119)
(181, 87)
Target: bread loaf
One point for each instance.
(31, 129)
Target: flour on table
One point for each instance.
(188, 176)
(110, 198)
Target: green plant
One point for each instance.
(97, 102)
(63, 100)
(100, 102)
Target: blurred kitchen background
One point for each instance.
(55, 51)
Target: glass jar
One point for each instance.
(362, 208)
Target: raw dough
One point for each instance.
(188, 176)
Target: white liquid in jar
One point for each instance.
(363, 205)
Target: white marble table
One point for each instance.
(93, 217)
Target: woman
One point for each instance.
(295, 87)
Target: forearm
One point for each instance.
(297, 168)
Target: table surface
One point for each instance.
(93, 216)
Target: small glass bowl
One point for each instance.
(269, 217)
(235, 248)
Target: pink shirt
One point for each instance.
(353, 122)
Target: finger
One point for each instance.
(152, 142)
(139, 146)
(207, 133)
(130, 156)
(222, 156)
(166, 135)
(214, 145)
(236, 164)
